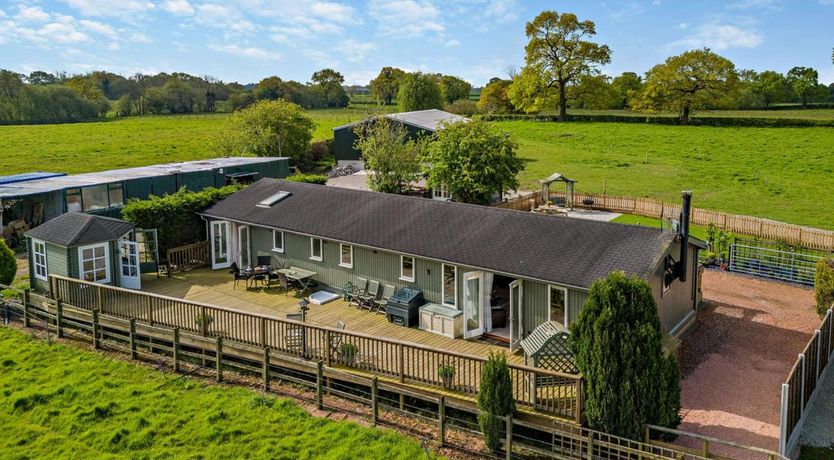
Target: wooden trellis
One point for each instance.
(547, 348)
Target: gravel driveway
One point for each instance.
(735, 358)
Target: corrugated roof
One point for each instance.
(430, 120)
(53, 184)
(14, 178)
(572, 252)
(79, 229)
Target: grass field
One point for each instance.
(61, 402)
(780, 173)
(804, 114)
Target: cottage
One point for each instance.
(84, 246)
(418, 123)
(507, 271)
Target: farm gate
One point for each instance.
(769, 261)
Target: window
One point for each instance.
(94, 263)
(557, 304)
(95, 197)
(269, 201)
(315, 249)
(450, 285)
(278, 241)
(441, 193)
(346, 255)
(74, 200)
(116, 195)
(39, 259)
(407, 268)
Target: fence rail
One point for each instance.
(406, 362)
(808, 237)
(187, 257)
(800, 388)
(793, 267)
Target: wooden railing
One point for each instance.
(809, 237)
(800, 388)
(188, 257)
(561, 394)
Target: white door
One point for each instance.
(243, 258)
(130, 277)
(516, 325)
(219, 235)
(473, 299)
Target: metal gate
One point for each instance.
(789, 266)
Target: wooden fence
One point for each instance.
(809, 237)
(539, 389)
(800, 389)
(187, 257)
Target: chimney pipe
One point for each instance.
(684, 234)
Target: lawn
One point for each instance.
(128, 142)
(780, 173)
(62, 402)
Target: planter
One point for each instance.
(447, 381)
(350, 361)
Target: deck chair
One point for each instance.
(360, 288)
(285, 283)
(387, 293)
(294, 334)
(367, 299)
(238, 276)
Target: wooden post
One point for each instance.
(802, 385)
(374, 402)
(441, 411)
(26, 315)
(96, 343)
(319, 382)
(133, 354)
(327, 344)
(59, 317)
(705, 449)
(219, 359)
(591, 444)
(176, 349)
(262, 328)
(149, 306)
(818, 335)
(99, 299)
(401, 353)
(578, 415)
(508, 443)
(203, 328)
(265, 372)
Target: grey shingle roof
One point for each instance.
(566, 251)
(79, 229)
(430, 119)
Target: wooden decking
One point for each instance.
(216, 287)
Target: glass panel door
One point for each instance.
(472, 305)
(129, 261)
(243, 246)
(516, 301)
(220, 244)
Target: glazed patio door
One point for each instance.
(130, 276)
(219, 234)
(516, 325)
(244, 259)
(473, 299)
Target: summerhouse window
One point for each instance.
(315, 249)
(39, 259)
(94, 263)
(407, 268)
(346, 255)
(558, 301)
(450, 285)
(278, 241)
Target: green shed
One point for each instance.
(83, 246)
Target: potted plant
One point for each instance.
(446, 373)
(349, 351)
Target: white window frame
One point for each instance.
(550, 289)
(320, 257)
(81, 271)
(342, 263)
(274, 247)
(443, 285)
(36, 265)
(410, 279)
(441, 193)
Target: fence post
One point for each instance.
(401, 353)
(591, 445)
(802, 385)
(441, 410)
(578, 401)
(327, 344)
(96, 343)
(265, 371)
(26, 315)
(133, 338)
(783, 419)
(508, 443)
(149, 306)
(176, 349)
(59, 318)
(262, 328)
(319, 381)
(705, 448)
(374, 402)
(203, 319)
(818, 335)
(219, 359)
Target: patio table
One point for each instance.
(251, 272)
(302, 276)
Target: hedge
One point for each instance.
(8, 264)
(824, 285)
(308, 178)
(671, 120)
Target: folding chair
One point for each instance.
(367, 299)
(360, 288)
(387, 293)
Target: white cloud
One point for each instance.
(98, 27)
(107, 8)
(720, 36)
(319, 57)
(249, 52)
(335, 12)
(223, 17)
(771, 5)
(355, 51)
(451, 44)
(501, 11)
(31, 14)
(178, 7)
(60, 32)
(405, 17)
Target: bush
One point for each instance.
(670, 120)
(309, 178)
(8, 264)
(175, 216)
(321, 150)
(463, 107)
(824, 285)
(495, 398)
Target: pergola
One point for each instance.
(569, 188)
(547, 348)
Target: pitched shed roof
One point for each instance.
(571, 252)
(429, 120)
(79, 229)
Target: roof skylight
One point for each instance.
(270, 201)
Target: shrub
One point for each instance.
(8, 264)
(824, 285)
(446, 371)
(321, 150)
(349, 351)
(175, 216)
(617, 344)
(463, 107)
(670, 120)
(308, 178)
(495, 398)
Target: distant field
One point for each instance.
(804, 114)
(61, 402)
(780, 173)
(127, 142)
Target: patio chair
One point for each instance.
(239, 276)
(360, 288)
(285, 283)
(367, 299)
(294, 333)
(387, 293)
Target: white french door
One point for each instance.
(516, 324)
(243, 257)
(473, 300)
(219, 234)
(130, 276)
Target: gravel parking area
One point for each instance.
(735, 358)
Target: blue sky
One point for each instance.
(245, 40)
